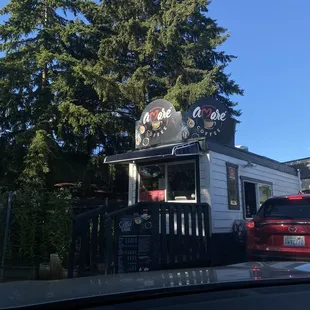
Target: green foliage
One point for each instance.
(42, 97)
(159, 49)
(76, 75)
(37, 160)
(58, 224)
(41, 225)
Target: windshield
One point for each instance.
(139, 139)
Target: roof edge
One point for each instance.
(252, 157)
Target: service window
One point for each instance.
(152, 183)
(255, 193)
(168, 182)
(181, 181)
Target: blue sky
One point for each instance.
(271, 41)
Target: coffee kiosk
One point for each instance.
(191, 157)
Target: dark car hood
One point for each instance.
(14, 294)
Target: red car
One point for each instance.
(280, 230)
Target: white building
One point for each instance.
(197, 162)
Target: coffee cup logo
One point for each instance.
(209, 124)
(156, 125)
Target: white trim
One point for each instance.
(166, 181)
(130, 189)
(257, 196)
(138, 180)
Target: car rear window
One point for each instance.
(286, 209)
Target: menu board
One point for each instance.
(133, 243)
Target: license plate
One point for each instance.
(294, 240)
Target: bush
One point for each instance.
(40, 226)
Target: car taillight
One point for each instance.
(294, 197)
(250, 224)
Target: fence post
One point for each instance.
(6, 234)
(72, 249)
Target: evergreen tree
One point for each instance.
(159, 49)
(76, 75)
(40, 92)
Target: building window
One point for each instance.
(168, 182)
(152, 183)
(233, 187)
(181, 182)
(264, 192)
(255, 193)
(250, 199)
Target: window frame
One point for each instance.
(139, 177)
(257, 182)
(258, 194)
(179, 163)
(166, 164)
(236, 167)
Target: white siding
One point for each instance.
(222, 217)
(132, 184)
(213, 186)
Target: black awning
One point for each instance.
(187, 149)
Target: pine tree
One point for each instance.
(40, 92)
(77, 74)
(159, 49)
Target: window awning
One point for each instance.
(187, 149)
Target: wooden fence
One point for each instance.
(141, 237)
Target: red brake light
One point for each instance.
(250, 224)
(294, 197)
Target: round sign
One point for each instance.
(206, 118)
(156, 119)
(159, 122)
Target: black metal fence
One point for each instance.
(32, 228)
(141, 237)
